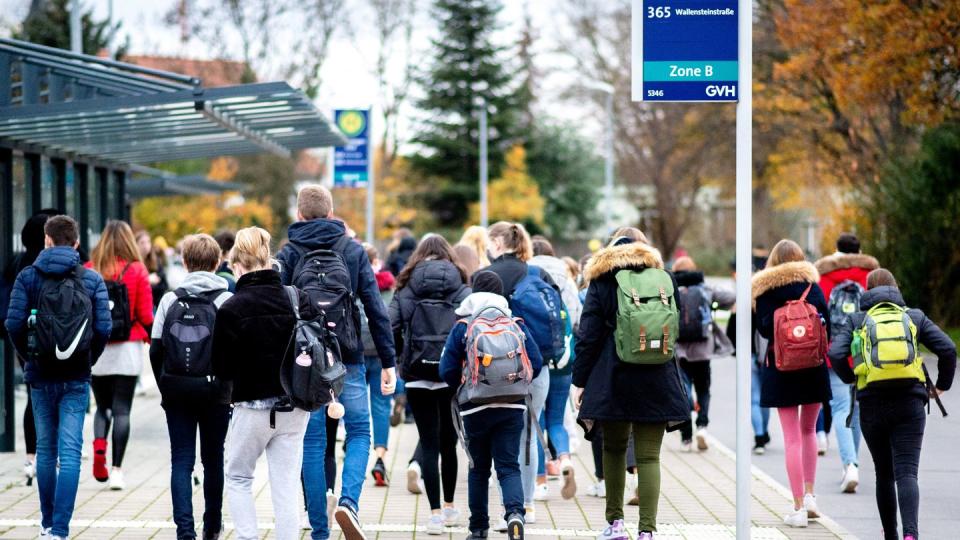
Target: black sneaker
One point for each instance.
(349, 523)
(477, 535)
(515, 527)
(212, 535)
(379, 474)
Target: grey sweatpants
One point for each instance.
(250, 436)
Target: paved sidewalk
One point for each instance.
(697, 500)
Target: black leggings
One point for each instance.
(893, 428)
(330, 453)
(29, 428)
(438, 439)
(114, 396)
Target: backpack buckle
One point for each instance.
(635, 297)
(643, 338)
(666, 338)
(663, 297)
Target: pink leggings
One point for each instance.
(799, 425)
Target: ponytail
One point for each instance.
(514, 237)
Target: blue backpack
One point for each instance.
(541, 308)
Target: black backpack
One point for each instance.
(63, 330)
(324, 276)
(119, 307)
(187, 371)
(424, 337)
(844, 301)
(696, 314)
(313, 374)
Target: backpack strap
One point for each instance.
(124, 271)
(181, 293)
(341, 244)
(803, 297)
(294, 298)
(458, 427)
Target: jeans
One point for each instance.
(552, 418)
(379, 403)
(697, 377)
(893, 428)
(647, 440)
(58, 410)
(182, 425)
(528, 471)
(493, 435)
(250, 437)
(438, 441)
(848, 438)
(357, 423)
(759, 416)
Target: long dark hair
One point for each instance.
(432, 248)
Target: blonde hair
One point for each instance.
(514, 237)
(116, 242)
(684, 264)
(475, 238)
(632, 233)
(785, 251)
(251, 250)
(201, 253)
(314, 201)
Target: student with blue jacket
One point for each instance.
(492, 431)
(60, 390)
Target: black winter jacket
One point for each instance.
(323, 234)
(614, 390)
(252, 334)
(773, 288)
(429, 280)
(397, 259)
(928, 334)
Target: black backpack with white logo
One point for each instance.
(63, 329)
(186, 375)
(119, 307)
(324, 276)
(314, 376)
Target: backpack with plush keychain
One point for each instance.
(648, 320)
(885, 347)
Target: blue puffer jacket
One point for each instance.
(56, 261)
(323, 234)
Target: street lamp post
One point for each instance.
(608, 89)
(484, 213)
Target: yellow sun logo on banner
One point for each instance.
(351, 123)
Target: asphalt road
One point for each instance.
(939, 464)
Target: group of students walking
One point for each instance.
(492, 338)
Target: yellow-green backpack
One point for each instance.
(885, 347)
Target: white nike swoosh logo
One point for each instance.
(64, 355)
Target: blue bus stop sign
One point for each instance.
(684, 50)
(351, 163)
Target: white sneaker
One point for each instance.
(850, 479)
(822, 443)
(597, 490)
(116, 480)
(45, 533)
(796, 518)
(435, 525)
(701, 437)
(501, 525)
(686, 447)
(810, 504)
(331, 505)
(633, 498)
(759, 450)
(529, 515)
(413, 478)
(29, 471)
(451, 516)
(540, 492)
(569, 488)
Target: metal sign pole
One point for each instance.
(484, 211)
(744, 262)
(371, 181)
(76, 31)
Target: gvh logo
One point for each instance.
(727, 90)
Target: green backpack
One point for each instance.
(648, 321)
(885, 347)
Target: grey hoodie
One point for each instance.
(193, 283)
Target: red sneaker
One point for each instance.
(100, 471)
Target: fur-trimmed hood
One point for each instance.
(784, 274)
(614, 258)
(841, 261)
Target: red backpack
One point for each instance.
(799, 335)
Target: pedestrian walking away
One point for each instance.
(893, 388)
(251, 341)
(700, 341)
(317, 241)
(181, 355)
(484, 349)
(59, 323)
(791, 311)
(422, 313)
(117, 258)
(629, 390)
